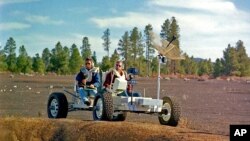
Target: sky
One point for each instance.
(206, 26)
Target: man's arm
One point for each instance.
(80, 80)
(79, 77)
(97, 81)
(107, 81)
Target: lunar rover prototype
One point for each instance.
(113, 104)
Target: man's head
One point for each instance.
(118, 65)
(89, 63)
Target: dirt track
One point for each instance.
(208, 107)
(36, 129)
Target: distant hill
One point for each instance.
(198, 59)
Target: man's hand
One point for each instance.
(84, 81)
(109, 86)
(91, 86)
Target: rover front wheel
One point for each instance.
(57, 106)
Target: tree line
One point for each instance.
(60, 60)
(134, 48)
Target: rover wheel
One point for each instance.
(170, 114)
(57, 106)
(103, 108)
(98, 110)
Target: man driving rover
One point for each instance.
(88, 81)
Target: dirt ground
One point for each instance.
(208, 107)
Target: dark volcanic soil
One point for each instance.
(208, 106)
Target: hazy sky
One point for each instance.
(206, 26)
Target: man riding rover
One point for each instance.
(118, 72)
(88, 81)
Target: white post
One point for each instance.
(144, 92)
(159, 78)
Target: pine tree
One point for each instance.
(154, 65)
(23, 62)
(115, 57)
(170, 29)
(243, 59)
(66, 50)
(46, 55)
(188, 66)
(230, 61)
(38, 64)
(203, 68)
(59, 59)
(3, 64)
(149, 47)
(75, 61)
(136, 44)
(10, 50)
(165, 30)
(218, 68)
(85, 49)
(124, 49)
(105, 65)
(106, 39)
(141, 65)
(174, 31)
(210, 66)
(54, 57)
(65, 57)
(94, 58)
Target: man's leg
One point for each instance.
(92, 94)
(83, 95)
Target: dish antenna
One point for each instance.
(165, 49)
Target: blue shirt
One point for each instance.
(95, 79)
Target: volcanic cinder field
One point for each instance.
(208, 108)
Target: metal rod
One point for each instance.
(160, 56)
(132, 95)
(144, 92)
(159, 70)
(159, 77)
(71, 94)
(171, 41)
